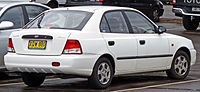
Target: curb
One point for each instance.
(192, 32)
(167, 20)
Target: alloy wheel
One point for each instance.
(104, 73)
(181, 65)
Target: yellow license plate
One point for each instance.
(37, 44)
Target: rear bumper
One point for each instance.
(69, 64)
(180, 11)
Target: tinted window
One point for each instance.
(33, 11)
(14, 15)
(104, 26)
(116, 22)
(62, 19)
(139, 23)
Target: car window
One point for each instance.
(139, 23)
(33, 11)
(61, 19)
(14, 15)
(116, 22)
(104, 26)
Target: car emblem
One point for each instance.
(36, 36)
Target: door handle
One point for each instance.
(111, 43)
(142, 42)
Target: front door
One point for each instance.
(153, 48)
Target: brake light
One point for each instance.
(10, 46)
(99, 0)
(174, 2)
(72, 47)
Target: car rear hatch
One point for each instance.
(40, 41)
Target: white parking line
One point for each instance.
(160, 85)
(130, 89)
(19, 83)
(10, 84)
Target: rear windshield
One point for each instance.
(62, 19)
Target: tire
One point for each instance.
(180, 66)
(189, 23)
(102, 74)
(53, 4)
(33, 79)
(155, 15)
(3, 75)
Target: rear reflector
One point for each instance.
(72, 47)
(10, 46)
(55, 64)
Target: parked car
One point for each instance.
(52, 3)
(96, 42)
(189, 11)
(13, 16)
(152, 8)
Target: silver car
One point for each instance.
(13, 16)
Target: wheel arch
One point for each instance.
(185, 49)
(112, 61)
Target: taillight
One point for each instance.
(10, 46)
(174, 2)
(72, 47)
(99, 0)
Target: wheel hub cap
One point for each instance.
(181, 65)
(104, 73)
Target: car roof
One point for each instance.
(94, 8)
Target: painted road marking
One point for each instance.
(159, 85)
(19, 83)
(130, 89)
(10, 84)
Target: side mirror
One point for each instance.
(161, 29)
(6, 25)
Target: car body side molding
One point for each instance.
(148, 56)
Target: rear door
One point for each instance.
(153, 48)
(120, 43)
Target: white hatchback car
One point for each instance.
(97, 42)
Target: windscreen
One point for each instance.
(61, 19)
